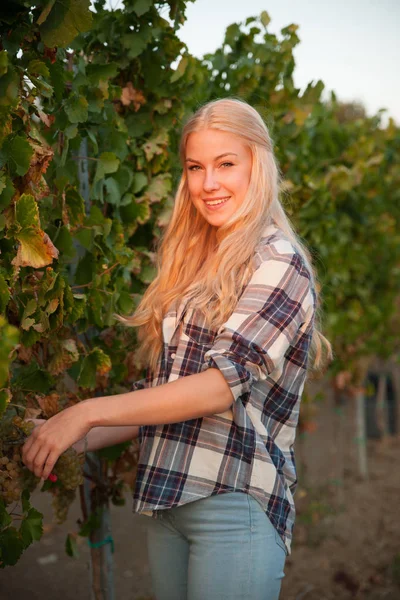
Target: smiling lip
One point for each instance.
(219, 206)
(219, 198)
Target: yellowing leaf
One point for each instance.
(159, 188)
(95, 363)
(53, 305)
(40, 160)
(130, 95)
(27, 323)
(156, 145)
(45, 12)
(36, 249)
(5, 398)
(49, 404)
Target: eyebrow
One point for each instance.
(216, 158)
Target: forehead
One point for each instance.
(213, 142)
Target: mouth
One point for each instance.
(216, 203)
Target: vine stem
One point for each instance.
(91, 283)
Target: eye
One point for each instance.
(227, 164)
(194, 168)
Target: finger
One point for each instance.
(29, 451)
(29, 455)
(30, 448)
(40, 461)
(50, 463)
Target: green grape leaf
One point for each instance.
(113, 452)
(11, 547)
(106, 163)
(76, 108)
(135, 43)
(71, 132)
(9, 87)
(265, 18)
(141, 7)
(79, 306)
(3, 62)
(9, 336)
(5, 518)
(95, 363)
(5, 398)
(7, 190)
(75, 206)
(113, 193)
(64, 21)
(131, 210)
(139, 182)
(38, 67)
(125, 303)
(18, 152)
(32, 527)
(71, 547)
(4, 294)
(31, 378)
(180, 70)
(97, 72)
(65, 243)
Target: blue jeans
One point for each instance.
(222, 547)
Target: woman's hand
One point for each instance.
(51, 438)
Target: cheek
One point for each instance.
(194, 185)
(240, 184)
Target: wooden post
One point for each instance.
(339, 404)
(381, 406)
(94, 500)
(100, 540)
(361, 438)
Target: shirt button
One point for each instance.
(173, 355)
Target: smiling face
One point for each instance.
(218, 168)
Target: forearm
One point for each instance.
(190, 397)
(102, 437)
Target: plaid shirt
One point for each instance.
(262, 352)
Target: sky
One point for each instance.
(352, 45)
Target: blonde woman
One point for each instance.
(226, 329)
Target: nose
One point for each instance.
(210, 182)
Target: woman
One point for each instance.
(226, 329)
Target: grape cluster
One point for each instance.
(12, 470)
(69, 469)
(15, 476)
(61, 501)
(11, 477)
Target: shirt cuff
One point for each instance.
(239, 377)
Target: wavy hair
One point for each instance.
(210, 266)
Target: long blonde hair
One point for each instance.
(211, 266)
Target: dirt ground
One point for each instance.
(346, 539)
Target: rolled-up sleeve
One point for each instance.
(139, 385)
(266, 320)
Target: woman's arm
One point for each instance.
(102, 437)
(189, 397)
